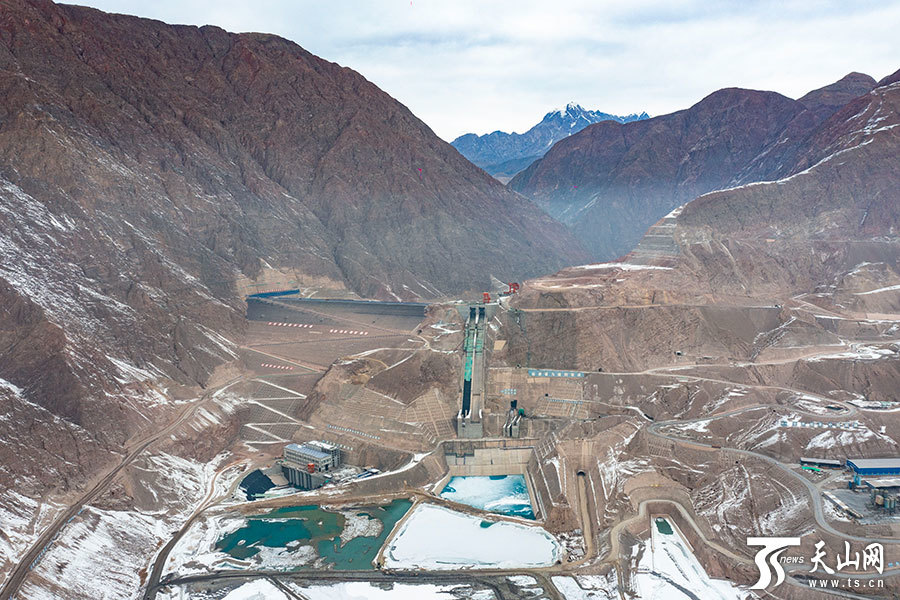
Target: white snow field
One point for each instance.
(258, 589)
(506, 494)
(668, 570)
(362, 590)
(588, 587)
(434, 537)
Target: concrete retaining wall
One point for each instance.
(490, 461)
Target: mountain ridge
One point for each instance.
(610, 182)
(504, 154)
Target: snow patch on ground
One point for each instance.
(891, 288)
(195, 552)
(226, 346)
(846, 438)
(668, 570)
(444, 329)
(359, 525)
(20, 516)
(4, 384)
(858, 352)
(362, 590)
(614, 469)
(699, 426)
(416, 459)
(623, 266)
(125, 539)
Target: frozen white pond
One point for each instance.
(668, 565)
(503, 494)
(434, 537)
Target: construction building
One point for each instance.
(886, 485)
(306, 465)
(331, 449)
(874, 466)
(514, 420)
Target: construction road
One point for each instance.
(33, 554)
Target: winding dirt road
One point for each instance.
(33, 554)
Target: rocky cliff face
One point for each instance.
(504, 154)
(610, 182)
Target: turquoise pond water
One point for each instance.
(316, 527)
(502, 494)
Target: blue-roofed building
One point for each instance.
(875, 466)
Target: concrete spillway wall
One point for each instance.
(488, 457)
(490, 461)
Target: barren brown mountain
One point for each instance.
(707, 279)
(753, 327)
(611, 181)
(150, 173)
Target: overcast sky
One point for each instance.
(481, 65)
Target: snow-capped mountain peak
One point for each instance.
(505, 154)
(571, 107)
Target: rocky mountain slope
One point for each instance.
(834, 214)
(504, 154)
(148, 170)
(761, 270)
(612, 181)
(149, 173)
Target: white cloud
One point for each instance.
(471, 65)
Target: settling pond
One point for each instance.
(348, 539)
